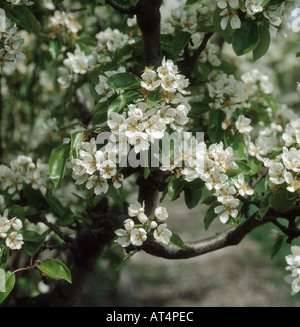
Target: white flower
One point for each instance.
(149, 80)
(227, 209)
(162, 234)
(226, 193)
(243, 125)
(108, 169)
(161, 213)
(124, 237)
(5, 225)
(168, 82)
(276, 172)
(99, 184)
(253, 6)
(292, 181)
(137, 210)
(138, 236)
(224, 3)
(291, 159)
(77, 62)
(230, 16)
(242, 186)
(16, 224)
(128, 224)
(14, 241)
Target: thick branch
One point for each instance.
(131, 10)
(192, 249)
(148, 19)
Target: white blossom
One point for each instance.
(162, 234)
(138, 236)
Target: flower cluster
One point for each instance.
(293, 261)
(139, 226)
(228, 94)
(64, 23)
(187, 19)
(278, 14)
(142, 124)
(10, 43)
(110, 41)
(77, 63)
(10, 235)
(210, 165)
(95, 167)
(23, 171)
(285, 167)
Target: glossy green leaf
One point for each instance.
(10, 280)
(210, 215)
(281, 201)
(198, 108)
(214, 130)
(124, 81)
(264, 206)
(32, 241)
(57, 164)
(264, 42)
(192, 196)
(24, 17)
(76, 143)
(246, 38)
(175, 187)
(54, 48)
(177, 241)
(276, 247)
(121, 101)
(55, 269)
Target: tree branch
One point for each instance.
(131, 10)
(192, 249)
(148, 19)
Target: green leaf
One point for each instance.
(264, 206)
(177, 241)
(32, 241)
(215, 131)
(276, 247)
(254, 165)
(55, 269)
(58, 162)
(210, 215)
(246, 38)
(57, 2)
(124, 81)
(24, 17)
(56, 206)
(192, 196)
(198, 108)
(175, 186)
(121, 101)
(180, 40)
(264, 42)
(21, 212)
(191, 2)
(54, 48)
(281, 201)
(76, 143)
(10, 280)
(3, 257)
